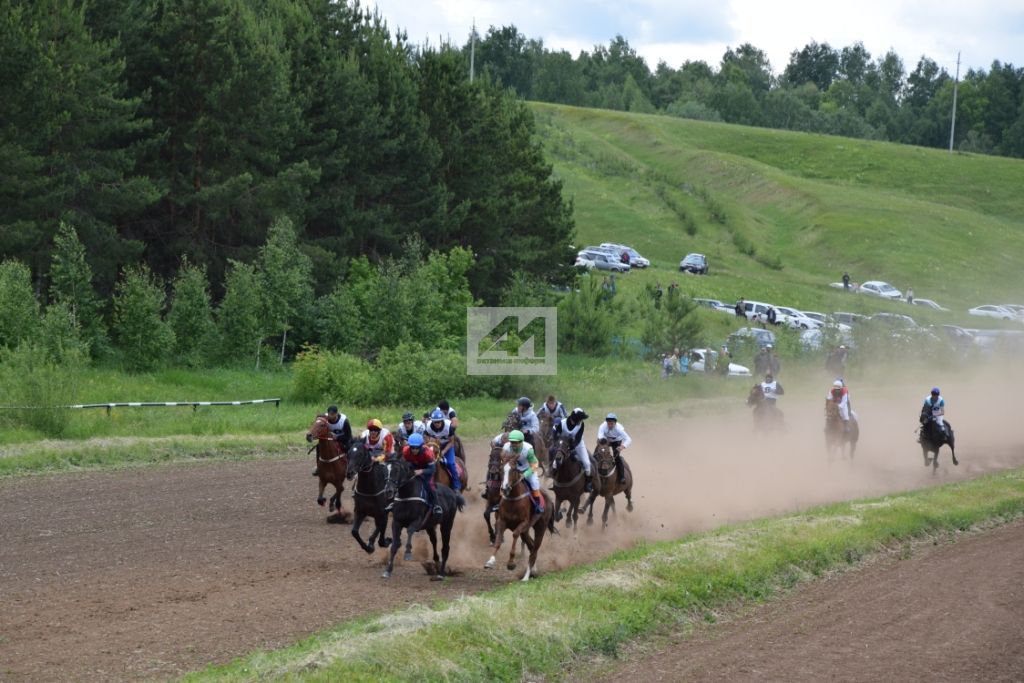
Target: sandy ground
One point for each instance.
(154, 572)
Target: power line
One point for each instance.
(952, 123)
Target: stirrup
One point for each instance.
(589, 487)
(438, 510)
(390, 505)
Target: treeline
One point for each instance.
(822, 89)
(175, 133)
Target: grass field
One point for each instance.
(525, 632)
(809, 207)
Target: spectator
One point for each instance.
(846, 281)
(666, 366)
(658, 292)
(723, 361)
(684, 364)
(741, 308)
(910, 295)
(836, 362)
(625, 257)
(772, 316)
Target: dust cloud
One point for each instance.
(700, 464)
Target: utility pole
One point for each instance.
(472, 51)
(952, 123)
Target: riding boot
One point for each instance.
(589, 486)
(538, 501)
(619, 469)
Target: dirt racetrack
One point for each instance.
(153, 572)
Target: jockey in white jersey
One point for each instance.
(616, 436)
(572, 428)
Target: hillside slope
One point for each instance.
(782, 214)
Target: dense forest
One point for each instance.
(822, 89)
(174, 132)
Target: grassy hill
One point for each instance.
(782, 214)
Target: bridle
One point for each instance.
(326, 436)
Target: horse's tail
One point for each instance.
(460, 502)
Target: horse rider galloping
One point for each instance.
(340, 429)
(840, 395)
(527, 464)
(422, 459)
(442, 429)
(616, 436)
(934, 408)
(572, 428)
(529, 425)
(378, 441)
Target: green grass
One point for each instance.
(537, 630)
(947, 225)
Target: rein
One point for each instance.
(555, 484)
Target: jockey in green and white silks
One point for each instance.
(527, 464)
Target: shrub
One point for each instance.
(142, 335)
(19, 312)
(32, 379)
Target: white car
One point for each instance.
(698, 363)
(584, 262)
(1016, 308)
(603, 261)
(879, 288)
(990, 311)
(715, 305)
(635, 259)
(828, 321)
(928, 303)
(794, 319)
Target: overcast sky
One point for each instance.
(678, 30)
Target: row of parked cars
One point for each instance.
(1008, 312)
(615, 258)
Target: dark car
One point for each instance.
(694, 263)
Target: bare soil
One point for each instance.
(950, 612)
(150, 573)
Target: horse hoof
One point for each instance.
(438, 577)
(385, 543)
(386, 574)
(590, 522)
(321, 501)
(510, 566)
(407, 557)
(369, 550)
(629, 506)
(489, 564)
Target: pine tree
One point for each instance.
(143, 337)
(671, 323)
(71, 285)
(19, 310)
(191, 316)
(286, 281)
(240, 316)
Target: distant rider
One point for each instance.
(616, 437)
(527, 464)
(572, 428)
(340, 429)
(934, 408)
(408, 426)
(840, 395)
(422, 458)
(771, 389)
(442, 429)
(529, 425)
(378, 441)
(449, 412)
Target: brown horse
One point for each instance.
(331, 468)
(608, 484)
(441, 473)
(838, 439)
(767, 416)
(568, 481)
(516, 513)
(492, 488)
(540, 449)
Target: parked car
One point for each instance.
(694, 263)
(794, 319)
(812, 340)
(879, 288)
(756, 311)
(894, 320)
(928, 303)
(990, 311)
(848, 318)
(1016, 308)
(635, 259)
(715, 305)
(699, 362)
(584, 262)
(604, 261)
(960, 338)
(752, 335)
(828, 321)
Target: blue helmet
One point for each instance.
(935, 390)
(436, 415)
(611, 416)
(415, 440)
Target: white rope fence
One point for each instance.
(153, 404)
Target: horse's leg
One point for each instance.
(538, 537)
(432, 535)
(924, 452)
(952, 451)
(320, 500)
(935, 460)
(446, 539)
(357, 523)
(396, 540)
(608, 502)
(412, 529)
(499, 532)
(590, 507)
(629, 494)
(516, 533)
(487, 518)
(381, 520)
(532, 560)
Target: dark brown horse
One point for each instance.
(492, 488)
(441, 474)
(837, 439)
(369, 496)
(331, 467)
(568, 481)
(608, 484)
(767, 416)
(516, 512)
(932, 437)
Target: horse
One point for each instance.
(568, 480)
(608, 485)
(932, 437)
(836, 438)
(369, 496)
(411, 511)
(492, 488)
(767, 416)
(441, 473)
(516, 512)
(546, 435)
(514, 420)
(331, 466)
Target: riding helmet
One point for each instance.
(408, 416)
(524, 401)
(935, 390)
(612, 417)
(374, 424)
(515, 436)
(580, 414)
(437, 415)
(415, 440)
(838, 383)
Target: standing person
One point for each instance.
(684, 363)
(773, 360)
(772, 316)
(724, 358)
(910, 295)
(340, 428)
(666, 366)
(616, 437)
(846, 281)
(740, 308)
(836, 361)
(572, 428)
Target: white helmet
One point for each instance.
(838, 383)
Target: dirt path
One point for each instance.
(953, 612)
(153, 572)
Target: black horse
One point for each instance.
(370, 495)
(932, 437)
(568, 483)
(411, 511)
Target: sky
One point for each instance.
(679, 30)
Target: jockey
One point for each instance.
(340, 429)
(449, 412)
(572, 428)
(422, 458)
(554, 408)
(529, 425)
(771, 389)
(840, 395)
(409, 426)
(443, 430)
(934, 408)
(527, 464)
(616, 437)
(378, 441)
